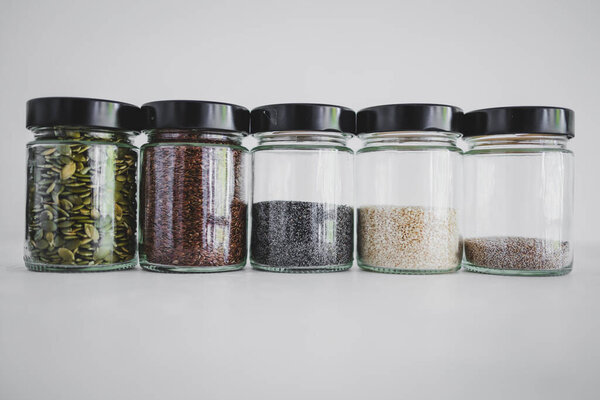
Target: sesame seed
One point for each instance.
(409, 238)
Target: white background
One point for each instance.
(259, 335)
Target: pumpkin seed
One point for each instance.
(49, 226)
(38, 234)
(118, 212)
(101, 253)
(51, 187)
(69, 218)
(66, 254)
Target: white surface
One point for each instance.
(251, 335)
(260, 335)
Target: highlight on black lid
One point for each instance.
(195, 114)
(409, 117)
(82, 112)
(524, 119)
(303, 117)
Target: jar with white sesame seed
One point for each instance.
(408, 180)
(519, 191)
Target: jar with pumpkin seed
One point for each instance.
(81, 209)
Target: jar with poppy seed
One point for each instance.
(193, 194)
(302, 197)
(81, 207)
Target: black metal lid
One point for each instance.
(83, 112)
(194, 114)
(409, 117)
(303, 117)
(507, 120)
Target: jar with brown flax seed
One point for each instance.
(408, 189)
(193, 187)
(81, 207)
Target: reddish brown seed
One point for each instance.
(193, 206)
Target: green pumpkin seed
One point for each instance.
(46, 215)
(64, 221)
(92, 232)
(101, 253)
(38, 234)
(118, 212)
(66, 254)
(49, 226)
(51, 187)
(68, 170)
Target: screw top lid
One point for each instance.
(84, 112)
(196, 114)
(409, 117)
(528, 119)
(303, 117)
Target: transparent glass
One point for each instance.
(81, 206)
(518, 205)
(193, 195)
(408, 198)
(302, 213)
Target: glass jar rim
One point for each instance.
(195, 131)
(518, 136)
(85, 128)
(411, 133)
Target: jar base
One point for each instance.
(301, 270)
(43, 267)
(516, 272)
(192, 269)
(405, 271)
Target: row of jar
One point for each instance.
(406, 183)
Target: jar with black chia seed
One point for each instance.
(81, 208)
(408, 179)
(302, 207)
(518, 191)
(193, 194)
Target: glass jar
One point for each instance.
(81, 206)
(193, 194)
(519, 191)
(302, 208)
(408, 180)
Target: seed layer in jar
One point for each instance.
(194, 210)
(517, 253)
(300, 234)
(409, 238)
(81, 202)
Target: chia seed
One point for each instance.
(300, 235)
(517, 253)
